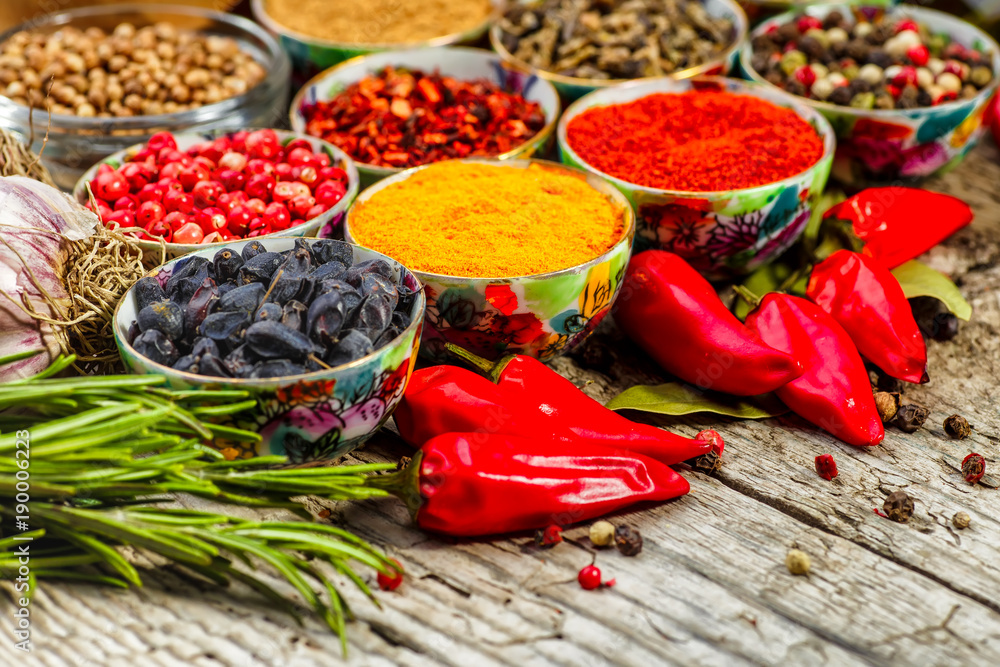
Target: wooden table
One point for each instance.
(710, 586)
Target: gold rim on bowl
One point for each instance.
(803, 111)
(542, 135)
(416, 323)
(595, 181)
(742, 29)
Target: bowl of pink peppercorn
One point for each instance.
(191, 190)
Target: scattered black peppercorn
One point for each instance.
(945, 327)
(628, 540)
(707, 463)
(934, 319)
(957, 427)
(911, 417)
(898, 506)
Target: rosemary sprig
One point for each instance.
(107, 453)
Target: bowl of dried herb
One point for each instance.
(428, 105)
(719, 171)
(583, 46)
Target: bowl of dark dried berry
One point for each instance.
(581, 45)
(905, 89)
(323, 334)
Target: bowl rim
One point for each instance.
(614, 195)
(353, 183)
(277, 64)
(820, 10)
(314, 82)
(265, 19)
(416, 323)
(742, 29)
(803, 111)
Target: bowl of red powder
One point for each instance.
(719, 171)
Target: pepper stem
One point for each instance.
(491, 369)
(404, 484)
(747, 295)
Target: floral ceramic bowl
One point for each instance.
(571, 87)
(461, 63)
(883, 146)
(543, 315)
(311, 55)
(724, 233)
(324, 226)
(315, 416)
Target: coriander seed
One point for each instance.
(602, 533)
(961, 520)
(798, 562)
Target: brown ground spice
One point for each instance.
(478, 221)
(378, 21)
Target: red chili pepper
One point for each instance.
(464, 485)
(674, 314)
(834, 393)
(868, 302)
(449, 399)
(898, 224)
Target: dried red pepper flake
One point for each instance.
(973, 467)
(826, 467)
(417, 118)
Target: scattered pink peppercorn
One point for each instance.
(391, 581)
(590, 578)
(549, 537)
(973, 467)
(826, 467)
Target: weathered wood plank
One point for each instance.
(710, 586)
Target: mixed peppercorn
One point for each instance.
(260, 314)
(239, 186)
(402, 118)
(881, 63)
(615, 39)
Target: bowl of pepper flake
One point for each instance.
(721, 172)
(516, 256)
(400, 109)
(905, 89)
(583, 45)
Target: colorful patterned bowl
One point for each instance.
(894, 146)
(543, 315)
(572, 88)
(726, 233)
(324, 226)
(310, 417)
(311, 55)
(457, 62)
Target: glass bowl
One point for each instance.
(74, 143)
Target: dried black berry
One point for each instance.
(201, 304)
(240, 361)
(156, 347)
(352, 346)
(224, 327)
(212, 366)
(203, 346)
(273, 340)
(293, 315)
(325, 318)
(147, 291)
(329, 250)
(245, 298)
(165, 316)
(274, 368)
(260, 268)
(268, 311)
(227, 265)
(330, 271)
(252, 249)
(628, 540)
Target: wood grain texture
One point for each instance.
(709, 588)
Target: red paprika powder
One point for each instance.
(698, 141)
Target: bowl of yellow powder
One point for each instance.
(518, 256)
(318, 34)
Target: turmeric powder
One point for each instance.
(479, 220)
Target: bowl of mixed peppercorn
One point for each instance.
(402, 109)
(721, 172)
(905, 89)
(582, 45)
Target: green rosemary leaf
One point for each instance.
(217, 410)
(102, 551)
(40, 573)
(67, 424)
(19, 356)
(7, 543)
